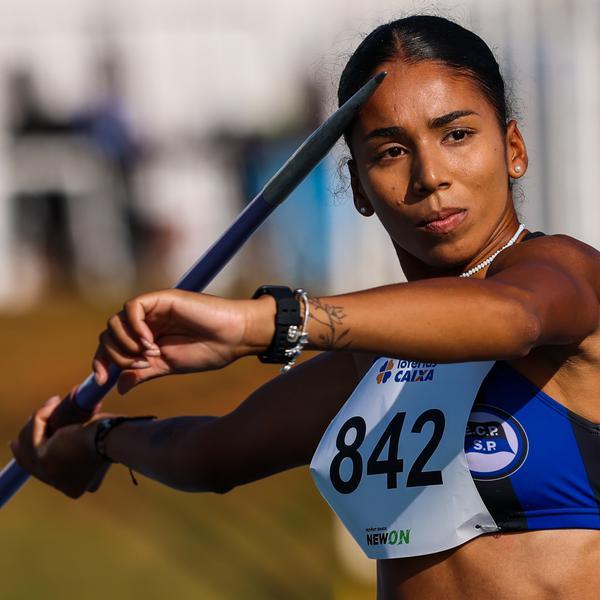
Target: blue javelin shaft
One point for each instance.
(299, 165)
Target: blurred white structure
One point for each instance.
(191, 66)
(93, 195)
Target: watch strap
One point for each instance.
(105, 426)
(287, 316)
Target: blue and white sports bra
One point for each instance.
(535, 463)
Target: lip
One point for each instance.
(444, 221)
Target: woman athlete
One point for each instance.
(433, 155)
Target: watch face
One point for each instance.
(277, 291)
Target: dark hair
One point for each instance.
(422, 37)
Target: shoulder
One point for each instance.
(562, 242)
(561, 252)
(559, 244)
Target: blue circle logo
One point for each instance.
(496, 444)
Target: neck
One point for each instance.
(415, 269)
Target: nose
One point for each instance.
(429, 173)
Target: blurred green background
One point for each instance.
(270, 539)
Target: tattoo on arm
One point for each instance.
(332, 317)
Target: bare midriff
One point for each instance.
(559, 564)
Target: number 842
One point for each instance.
(392, 465)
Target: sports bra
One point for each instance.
(535, 463)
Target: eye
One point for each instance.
(391, 152)
(458, 135)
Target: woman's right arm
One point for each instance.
(276, 428)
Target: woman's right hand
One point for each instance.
(172, 331)
(66, 458)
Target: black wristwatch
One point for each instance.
(286, 316)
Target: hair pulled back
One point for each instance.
(423, 37)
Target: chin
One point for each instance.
(448, 252)
(445, 256)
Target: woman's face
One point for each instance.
(430, 159)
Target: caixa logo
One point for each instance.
(405, 371)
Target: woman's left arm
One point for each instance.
(541, 292)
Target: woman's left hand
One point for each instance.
(67, 459)
(173, 331)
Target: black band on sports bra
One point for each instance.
(532, 234)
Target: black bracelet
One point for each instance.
(287, 315)
(105, 426)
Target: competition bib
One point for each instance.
(392, 465)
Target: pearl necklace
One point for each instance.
(490, 259)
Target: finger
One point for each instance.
(123, 335)
(130, 378)
(100, 362)
(68, 412)
(116, 356)
(40, 421)
(48, 407)
(73, 392)
(136, 310)
(113, 349)
(100, 365)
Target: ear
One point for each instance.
(363, 206)
(516, 152)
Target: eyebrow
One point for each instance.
(438, 122)
(435, 123)
(384, 132)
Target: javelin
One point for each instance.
(89, 394)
